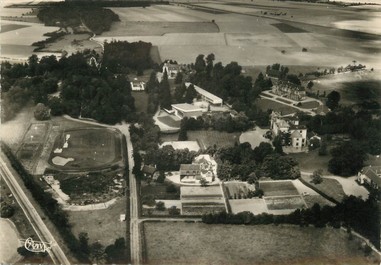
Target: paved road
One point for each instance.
(56, 253)
(134, 214)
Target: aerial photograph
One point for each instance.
(190, 132)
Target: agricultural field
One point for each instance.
(172, 243)
(242, 32)
(353, 87)
(86, 149)
(278, 188)
(103, 226)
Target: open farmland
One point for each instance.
(87, 148)
(172, 243)
(249, 33)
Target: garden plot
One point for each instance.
(284, 203)
(237, 190)
(278, 188)
(254, 205)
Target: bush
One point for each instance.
(7, 211)
(171, 188)
(304, 50)
(41, 112)
(160, 206)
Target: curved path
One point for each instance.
(9, 242)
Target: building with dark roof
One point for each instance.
(289, 90)
(371, 176)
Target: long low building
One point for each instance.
(187, 110)
(206, 96)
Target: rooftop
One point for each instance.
(205, 93)
(185, 107)
(374, 173)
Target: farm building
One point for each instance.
(186, 110)
(201, 200)
(206, 96)
(171, 69)
(289, 124)
(371, 176)
(289, 90)
(137, 86)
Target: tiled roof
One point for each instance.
(373, 173)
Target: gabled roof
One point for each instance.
(373, 173)
(297, 127)
(189, 169)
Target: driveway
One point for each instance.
(254, 137)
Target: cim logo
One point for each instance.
(36, 246)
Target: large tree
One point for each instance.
(333, 99)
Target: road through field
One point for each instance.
(56, 253)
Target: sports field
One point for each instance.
(172, 243)
(86, 148)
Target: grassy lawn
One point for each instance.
(206, 138)
(312, 199)
(311, 161)
(286, 28)
(211, 138)
(141, 100)
(330, 187)
(266, 104)
(172, 243)
(284, 100)
(101, 225)
(278, 188)
(309, 105)
(167, 120)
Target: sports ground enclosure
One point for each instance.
(90, 148)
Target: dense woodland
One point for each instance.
(121, 56)
(84, 90)
(95, 18)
